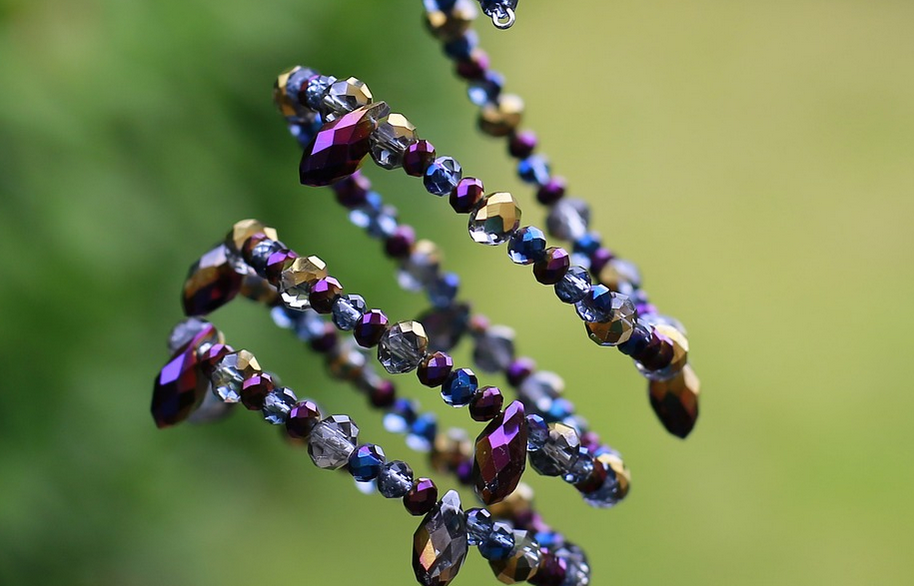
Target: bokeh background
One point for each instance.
(755, 158)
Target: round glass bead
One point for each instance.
(435, 369)
(527, 245)
(255, 389)
(401, 242)
(459, 388)
(479, 526)
(346, 95)
(494, 219)
(523, 562)
(402, 347)
(332, 441)
(534, 169)
(494, 349)
(499, 543)
(370, 328)
(230, 373)
(442, 176)
(348, 311)
(618, 329)
(467, 194)
(501, 117)
(522, 144)
(597, 305)
(390, 141)
(296, 280)
(417, 158)
(421, 497)
(486, 404)
(324, 292)
(551, 192)
(395, 479)
(559, 453)
(574, 285)
(303, 416)
(277, 405)
(443, 290)
(286, 90)
(365, 462)
(568, 219)
(550, 269)
(316, 89)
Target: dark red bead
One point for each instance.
(251, 243)
(323, 293)
(326, 341)
(552, 570)
(475, 66)
(519, 370)
(659, 354)
(382, 394)
(352, 191)
(467, 194)
(594, 480)
(212, 355)
(421, 497)
(399, 244)
(255, 389)
(434, 370)
(501, 455)
(338, 148)
(370, 328)
(522, 144)
(277, 263)
(553, 266)
(302, 417)
(599, 259)
(211, 283)
(486, 404)
(180, 385)
(418, 157)
(552, 191)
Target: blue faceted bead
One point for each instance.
(534, 169)
(490, 6)
(459, 388)
(537, 432)
(443, 290)
(479, 526)
(499, 544)
(640, 338)
(597, 305)
(581, 468)
(527, 245)
(487, 89)
(365, 462)
(309, 326)
(587, 244)
(442, 176)
(304, 132)
(460, 48)
(549, 539)
(348, 311)
(559, 410)
(400, 417)
(574, 285)
(316, 89)
(422, 433)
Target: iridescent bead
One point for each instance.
(296, 281)
(440, 543)
(257, 251)
(537, 432)
(400, 417)
(597, 305)
(324, 292)
(574, 285)
(332, 441)
(680, 354)
(278, 262)
(552, 191)
(435, 369)
(494, 349)
(370, 328)
(500, 456)
(474, 66)
(552, 570)
(316, 89)
(443, 290)
(210, 355)
(522, 563)
(348, 311)
(534, 169)
(185, 331)
(211, 283)
(619, 274)
(286, 91)
(421, 267)
(459, 388)
(479, 526)
(527, 245)
(302, 418)
(326, 340)
(618, 329)
(519, 370)
(675, 401)
(451, 449)
(352, 191)
(522, 144)
(502, 117)
(494, 219)
(401, 242)
(422, 497)
(346, 95)
(451, 24)
(582, 469)
(559, 453)
(181, 385)
(365, 462)
(499, 544)
(614, 486)
(442, 176)
(339, 147)
(402, 347)
(638, 341)
(255, 389)
(486, 89)
(259, 290)
(382, 393)
(395, 479)
(486, 404)
(550, 269)
(417, 158)
(277, 405)
(230, 373)
(467, 194)
(568, 219)
(390, 141)
(540, 389)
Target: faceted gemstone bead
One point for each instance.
(501, 455)
(449, 25)
(352, 191)
(346, 95)
(257, 251)
(597, 305)
(486, 404)
(479, 526)
(577, 566)
(259, 290)
(446, 327)
(680, 354)
(559, 453)
(316, 89)
(230, 373)
(390, 141)
(421, 498)
(574, 286)
(339, 147)
(346, 361)
(365, 462)
(587, 244)
(551, 192)
(618, 329)
(211, 283)
(324, 293)
(527, 245)
(286, 90)
(422, 433)
(494, 350)
(418, 156)
(519, 370)
(568, 219)
(499, 544)
(370, 328)
(402, 347)
(675, 401)
(442, 176)
(440, 543)
(180, 385)
(401, 242)
(443, 290)
(552, 570)
(395, 479)
(599, 259)
(277, 405)
(620, 275)
(475, 66)
(296, 281)
(638, 341)
(502, 117)
(255, 389)
(522, 144)
(435, 369)
(302, 418)
(539, 390)
(382, 393)
(534, 169)
(332, 442)
(209, 356)
(552, 267)
(494, 219)
(522, 563)
(401, 415)
(537, 432)
(609, 492)
(487, 88)
(583, 469)
(467, 194)
(348, 311)
(277, 263)
(185, 331)
(459, 388)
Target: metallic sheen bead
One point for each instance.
(332, 441)
(675, 401)
(365, 462)
(340, 146)
(527, 245)
(348, 311)
(494, 219)
(390, 141)
(618, 329)
(346, 95)
(500, 455)
(402, 347)
(442, 176)
(680, 354)
(440, 543)
(522, 563)
(230, 373)
(452, 24)
(620, 275)
(182, 383)
(559, 453)
(574, 285)
(211, 283)
(286, 91)
(501, 118)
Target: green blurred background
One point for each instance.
(755, 158)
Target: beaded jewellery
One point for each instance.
(338, 123)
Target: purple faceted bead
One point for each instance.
(435, 369)
(338, 148)
(551, 268)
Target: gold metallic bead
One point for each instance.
(675, 401)
(523, 562)
(391, 139)
(450, 26)
(619, 328)
(347, 95)
(243, 230)
(295, 281)
(680, 351)
(503, 117)
(494, 219)
(287, 104)
(515, 504)
(258, 289)
(619, 273)
(623, 475)
(450, 450)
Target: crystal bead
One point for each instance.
(401, 242)
(522, 563)
(552, 570)
(486, 404)
(365, 462)
(259, 290)
(559, 453)
(467, 194)
(499, 544)
(578, 568)
(443, 290)
(402, 347)
(395, 479)
(582, 469)
(370, 328)
(254, 390)
(257, 251)
(539, 390)
(501, 455)
(606, 494)
(568, 219)
(435, 369)
(551, 192)
(459, 388)
(550, 269)
(181, 384)
(460, 48)
(618, 329)
(209, 355)
(675, 401)
(527, 245)
(620, 275)
(494, 350)
(348, 311)
(587, 244)
(390, 141)
(449, 25)
(440, 543)
(401, 415)
(286, 91)
(534, 169)
(479, 526)
(522, 144)
(487, 89)
(442, 176)
(316, 89)
(421, 267)
(422, 433)
(230, 373)
(346, 361)
(295, 282)
(184, 332)
(502, 117)
(324, 293)
(276, 263)
(346, 95)
(379, 220)
(519, 370)
(597, 305)
(537, 432)
(494, 219)
(332, 441)
(680, 351)
(417, 158)
(574, 286)
(211, 283)
(421, 498)
(339, 147)
(446, 327)
(277, 405)
(302, 418)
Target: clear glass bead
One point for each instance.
(296, 280)
(420, 269)
(578, 568)
(568, 219)
(402, 347)
(345, 96)
(494, 219)
(494, 349)
(574, 286)
(230, 372)
(391, 139)
(277, 404)
(395, 479)
(581, 468)
(442, 176)
(537, 432)
(348, 310)
(479, 526)
(316, 90)
(332, 441)
(560, 452)
(443, 290)
(184, 332)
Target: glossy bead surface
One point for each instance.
(618, 328)
(440, 543)
(332, 441)
(675, 401)
(370, 328)
(459, 388)
(395, 479)
(574, 285)
(402, 347)
(569, 219)
(181, 384)
(559, 452)
(499, 543)
(527, 245)
(324, 293)
(255, 389)
(230, 373)
(295, 281)
(479, 526)
(522, 563)
(277, 405)
(365, 462)
(417, 157)
(680, 354)
(597, 305)
(486, 404)
(534, 169)
(421, 498)
(391, 139)
(494, 219)
(348, 311)
(346, 95)
(620, 275)
(467, 194)
(211, 283)
(302, 418)
(435, 369)
(442, 176)
(446, 327)
(338, 148)
(500, 456)
(552, 267)
(501, 118)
